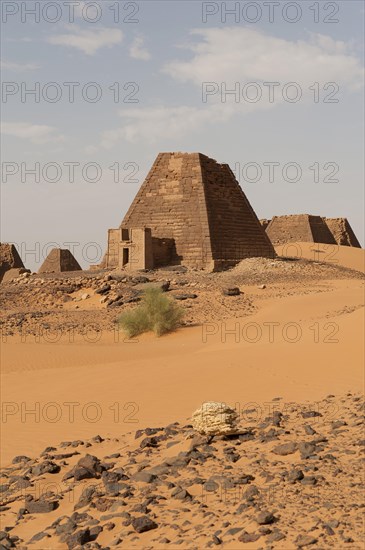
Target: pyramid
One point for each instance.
(9, 258)
(264, 222)
(342, 231)
(196, 213)
(299, 228)
(59, 260)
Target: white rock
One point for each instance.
(85, 296)
(214, 418)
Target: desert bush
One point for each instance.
(156, 312)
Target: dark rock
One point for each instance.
(311, 414)
(20, 458)
(143, 476)
(112, 482)
(251, 493)
(295, 475)
(66, 528)
(103, 290)
(338, 424)
(265, 518)
(143, 524)
(148, 442)
(277, 418)
(40, 506)
(306, 449)
(233, 531)
(248, 537)
(140, 279)
(87, 467)
(86, 497)
(39, 536)
(275, 536)
(305, 540)
(309, 480)
(233, 291)
(309, 430)
(79, 538)
(185, 296)
(285, 448)
(180, 493)
(46, 467)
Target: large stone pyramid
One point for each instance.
(197, 215)
(59, 260)
(342, 232)
(9, 258)
(299, 228)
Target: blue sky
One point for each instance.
(162, 57)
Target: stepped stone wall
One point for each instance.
(197, 213)
(59, 260)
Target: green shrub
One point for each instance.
(156, 312)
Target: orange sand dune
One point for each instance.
(298, 348)
(347, 256)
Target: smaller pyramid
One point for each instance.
(9, 258)
(264, 222)
(342, 232)
(299, 228)
(59, 260)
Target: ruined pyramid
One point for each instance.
(9, 258)
(299, 228)
(342, 232)
(59, 260)
(193, 212)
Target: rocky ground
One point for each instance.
(75, 301)
(292, 478)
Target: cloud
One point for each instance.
(245, 55)
(239, 55)
(18, 67)
(137, 51)
(154, 123)
(35, 133)
(88, 41)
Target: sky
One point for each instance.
(93, 91)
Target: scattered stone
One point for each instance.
(232, 291)
(144, 477)
(285, 448)
(248, 537)
(265, 518)
(40, 506)
(305, 540)
(185, 296)
(143, 524)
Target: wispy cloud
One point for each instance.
(89, 41)
(239, 55)
(243, 54)
(35, 133)
(18, 67)
(137, 49)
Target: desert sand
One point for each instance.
(295, 350)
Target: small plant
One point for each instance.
(156, 312)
